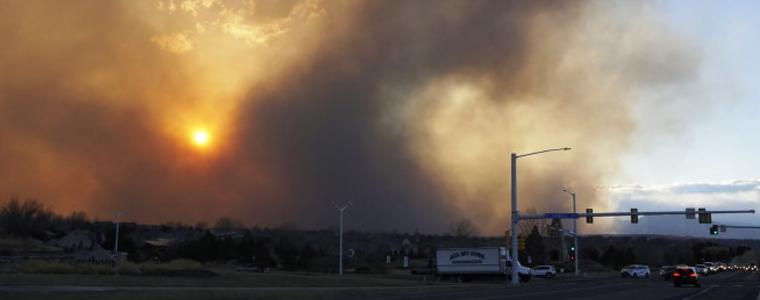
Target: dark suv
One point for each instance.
(686, 275)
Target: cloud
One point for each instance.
(725, 195)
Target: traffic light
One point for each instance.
(521, 243)
(589, 219)
(704, 218)
(571, 253)
(714, 230)
(634, 216)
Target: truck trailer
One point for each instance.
(472, 263)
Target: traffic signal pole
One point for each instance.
(625, 213)
(515, 219)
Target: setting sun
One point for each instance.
(200, 138)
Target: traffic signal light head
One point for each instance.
(704, 217)
(589, 219)
(714, 230)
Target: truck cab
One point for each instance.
(524, 273)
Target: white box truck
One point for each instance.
(471, 263)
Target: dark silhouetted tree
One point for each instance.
(227, 223)
(534, 246)
(629, 257)
(613, 257)
(590, 253)
(29, 218)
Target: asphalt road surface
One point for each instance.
(728, 285)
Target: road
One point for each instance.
(729, 286)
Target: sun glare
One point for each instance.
(200, 138)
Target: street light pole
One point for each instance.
(516, 212)
(116, 241)
(116, 237)
(340, 236)
(515, 219)
(575, 236)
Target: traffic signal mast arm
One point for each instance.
(626, 213)
(717, 229)
(739, 226)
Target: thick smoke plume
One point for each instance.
(408, 109)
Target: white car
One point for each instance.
(639, 271)
(711, 267)
(543, 271)
(701, 269)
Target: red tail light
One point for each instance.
(676, 274)
(693, 275)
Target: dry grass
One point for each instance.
(180, 267)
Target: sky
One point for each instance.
(714, 138)
(270, 111)
(713, 146)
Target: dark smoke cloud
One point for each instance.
(346, 102)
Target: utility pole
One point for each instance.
(340, 236)
(575, 231)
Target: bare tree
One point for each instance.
(464, 228)
(25, 219)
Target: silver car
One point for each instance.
(543, 271)
(639, 271)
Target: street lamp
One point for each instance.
(340, 236)
(575, 235)
(116, 237)
(515, 211)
